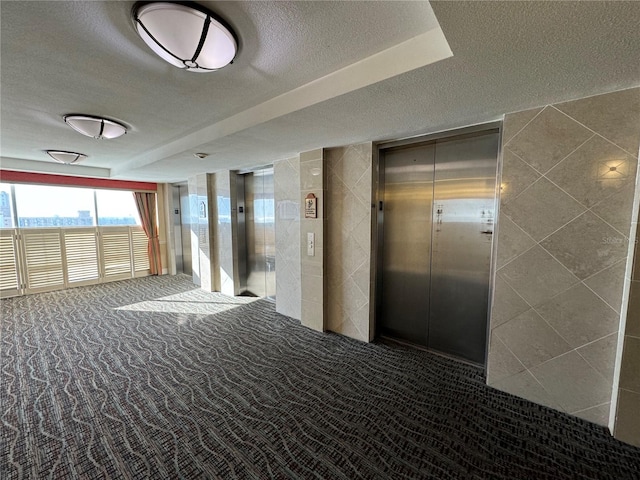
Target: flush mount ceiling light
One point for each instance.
(66, 157)
(96, 127)
(186, 35)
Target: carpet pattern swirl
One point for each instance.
(154, 378)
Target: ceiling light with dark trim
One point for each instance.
(186, 35)
(68, 158)
(96, 127)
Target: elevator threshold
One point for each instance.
(247, 293)
(390, 340)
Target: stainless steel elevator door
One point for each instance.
(464, 200)
(406, 243)
(435, 236)
(260, 233)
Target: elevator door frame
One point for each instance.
(379, 149)
(246, 234)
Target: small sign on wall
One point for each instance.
(310, 206)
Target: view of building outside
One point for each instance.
(6, 217)
(53, 206)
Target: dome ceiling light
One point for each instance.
(96, 127)
(186, 35)
(66, 157)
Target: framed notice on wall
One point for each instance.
(310, 206)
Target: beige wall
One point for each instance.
(348, 253)
(200, 213)
(627, 424)
(225, 264)
(312, 268)
(568, 184)
(286, 175)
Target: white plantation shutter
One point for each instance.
(9, 281)
(116, 253)
(43, 260)
(81, 253)
(139, 243)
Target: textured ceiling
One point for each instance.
(308, 75)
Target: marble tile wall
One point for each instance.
(201, 254)
(312, 273)
(287, 202)
(192, 187)
(568, 185)
(627, 424)
(225, 231)
(348, 252)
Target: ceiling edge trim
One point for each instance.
(419, 51)
(51, 167)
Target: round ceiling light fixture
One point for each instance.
(68, 158)
(186, 35)
(96, 127)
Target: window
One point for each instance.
(116, 207)
(46, 206)
(6, 208)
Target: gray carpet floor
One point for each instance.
(153, 378)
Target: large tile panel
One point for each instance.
(615, 116)
(513, 241)
(547, 139)
(573, 382)
(601, 355)
(531, 339)
(536, 276)
(579, 316)
(516, 176)
(542, 209)
(586, 246)
(349, 190)
(609, 284)
(526, 386)
(569, 175)
(595, 171)
(514, 122)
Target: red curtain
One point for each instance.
(146, 203)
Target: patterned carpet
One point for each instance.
(151, 378)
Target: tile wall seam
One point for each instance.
(628, 390)
(557, 230)
(553, 397)
(589, 408)
(544, 107)
(572, 286)
(594, 368)
(573, 350)
(597, 340)
(635, 155)
(554, 329)
(569, 154)
(635, 337)
(517, 315)
(514, 356)
(597, 295)
(572, 197)
(626, 237)
(523, 191)
(520, 254)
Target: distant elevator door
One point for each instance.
(436, 224)
(257, 192)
